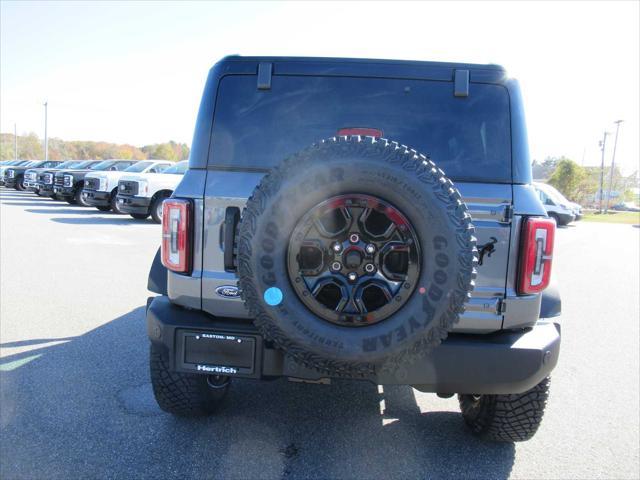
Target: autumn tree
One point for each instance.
(569, 178)
(30, 147)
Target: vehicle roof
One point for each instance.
(348, 60)
(361, 67)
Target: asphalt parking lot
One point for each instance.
(75, 398)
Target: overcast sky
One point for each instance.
(134, 72)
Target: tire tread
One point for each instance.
(181, 393)
(506, 418)
(411, 162)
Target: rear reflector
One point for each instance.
(364, 132)
(536, 254)
(176, 235)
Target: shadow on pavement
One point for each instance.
(35, 341)
(70, 211)
(36, 203)
(113, 220)
(85, 409)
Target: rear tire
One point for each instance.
(184, 394)
(71, 201)
(506, 418)
(156, 208)
(139, 216)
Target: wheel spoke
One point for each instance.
(353, 260)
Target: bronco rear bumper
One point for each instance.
(505, 362)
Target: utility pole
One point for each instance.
(613, 162)
(602, 146)
(15, 140)
(46, 139)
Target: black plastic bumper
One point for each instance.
(565, 218)
(96, 198)
(67, 192)
(503, 362)
(10, 182)
(46, 190)
(132, 204)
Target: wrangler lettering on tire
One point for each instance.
(372, 249)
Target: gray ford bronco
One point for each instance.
(359, 219)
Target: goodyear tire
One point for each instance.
(506, 418)
(184, 394)
(423, 201)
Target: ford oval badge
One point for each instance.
(228, 291)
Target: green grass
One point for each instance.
(629, 218)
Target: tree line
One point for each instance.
(31, 147)
(582, 184)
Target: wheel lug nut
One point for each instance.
(352, 276)
(369, 268)
(336, 247)
(335, 266)
(370, 248)
(354, 238)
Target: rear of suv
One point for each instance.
(361, 219)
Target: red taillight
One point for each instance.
(364, 132)
(176, 235)
(536, 254)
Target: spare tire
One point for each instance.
(356, 254)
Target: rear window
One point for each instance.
(468, 137)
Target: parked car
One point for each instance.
(302, 243)
(142, 195)
(100, 189)
(31, 175)
(557, 206)
(68, 184)
(626, 207)
(14, 175)
(46, 176)
(9, 163)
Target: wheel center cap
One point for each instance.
(353, 259)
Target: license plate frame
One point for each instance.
(218, 353)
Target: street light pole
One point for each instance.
(602, 146)
(46, 139)
(15, 140)
(613, 162)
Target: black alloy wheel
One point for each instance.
(354, 260)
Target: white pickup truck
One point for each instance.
(100, 188)
(142, 195)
